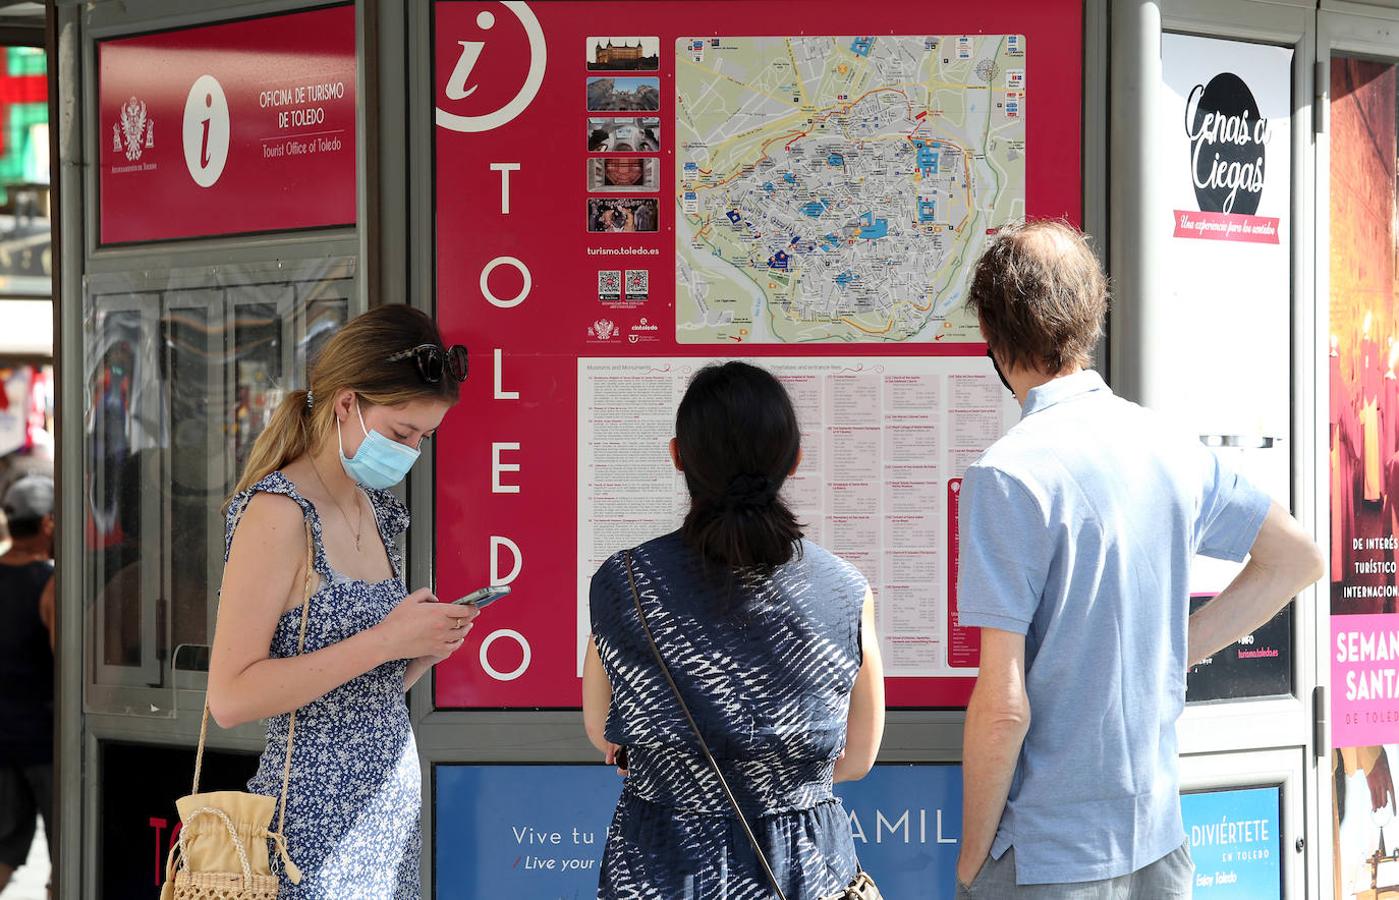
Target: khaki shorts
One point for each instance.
(1169, 878)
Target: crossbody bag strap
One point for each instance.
(300, 648)
(699, 736)
(291, 727)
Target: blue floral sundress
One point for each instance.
(355, 797)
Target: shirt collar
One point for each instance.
(1061, 389)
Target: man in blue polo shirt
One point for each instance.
(1077, 532)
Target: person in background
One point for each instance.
(26, 671)
(645, 216)
(322, 469)
(771, 641)
(1077, 532)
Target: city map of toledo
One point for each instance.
(840, 188)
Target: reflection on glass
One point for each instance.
(323, 319)
(258, 387)
(193, 527)
(114, 510)
(179, 385)
(327, 305)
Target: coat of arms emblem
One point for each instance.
(135, 132)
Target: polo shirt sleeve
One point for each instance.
(1003, 552)
(1231, 510)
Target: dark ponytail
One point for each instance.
(738, 439)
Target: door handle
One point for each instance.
(1241, 441)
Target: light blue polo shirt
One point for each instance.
(1077, 530)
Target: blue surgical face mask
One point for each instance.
(379, 462)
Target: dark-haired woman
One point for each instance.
(322, 466)
(771, 642)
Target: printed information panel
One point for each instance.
(880, 439)
(243, 127)
(544, 836)
(714, 184)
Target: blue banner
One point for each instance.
(1235, 842)
(907, 822)
(526, 832)
(537, 832)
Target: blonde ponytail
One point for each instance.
(288, 435)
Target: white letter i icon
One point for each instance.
(470, 52)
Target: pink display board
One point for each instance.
(610, 178)
(236, 128)
(1365, 679)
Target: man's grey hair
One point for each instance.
(1041, 296)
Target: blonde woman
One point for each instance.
(381, 386)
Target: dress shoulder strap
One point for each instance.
(278, 483)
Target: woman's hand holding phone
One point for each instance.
(420, 627)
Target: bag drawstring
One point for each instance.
(280, 841)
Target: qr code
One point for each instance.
(609, 285)
(638, 284)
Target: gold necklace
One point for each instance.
(359, 508)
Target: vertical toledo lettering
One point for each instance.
(499, 467)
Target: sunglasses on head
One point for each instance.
(432, 360)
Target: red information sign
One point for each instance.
(243, 127)
(625, 191)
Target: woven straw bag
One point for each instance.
(222, 853)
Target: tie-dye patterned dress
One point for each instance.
(766, 663)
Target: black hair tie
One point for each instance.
(750, 491)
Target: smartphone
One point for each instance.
(484, 597)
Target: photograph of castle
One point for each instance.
(624, 54)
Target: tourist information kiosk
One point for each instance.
(599, 198)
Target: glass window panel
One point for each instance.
(257, 373)
(193, 526)
(179, 385)
(327, 308)
(121, 436)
